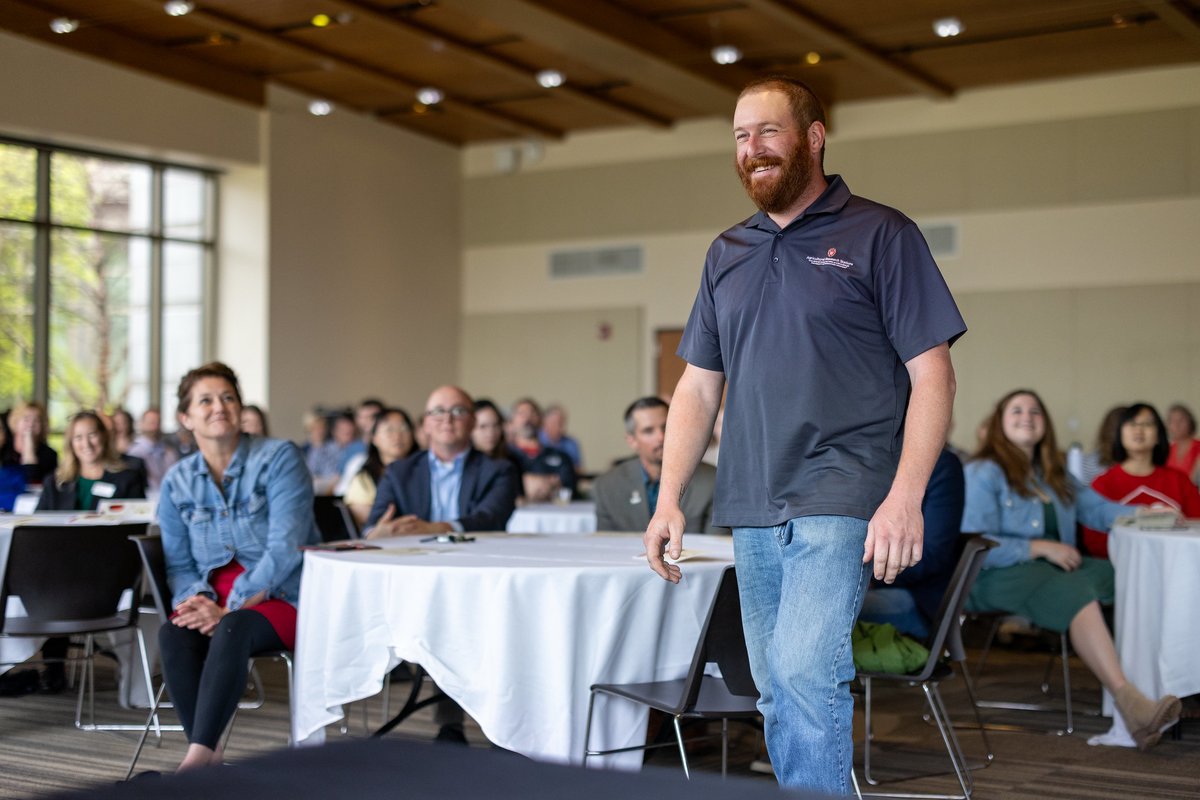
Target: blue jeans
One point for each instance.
(801, 586)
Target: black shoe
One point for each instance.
(53, 681)
(452, 734)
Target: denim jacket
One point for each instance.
(995, 510)
(263, 516)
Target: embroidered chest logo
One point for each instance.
(830, 260)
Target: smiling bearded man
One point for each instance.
(832, 322)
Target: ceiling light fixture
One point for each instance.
(812, 58)
(726, 54)
(321, 20)
(430, 96)
(550, 78)
(947, 27)
(64, 25)
(178, 8)
(320, 108)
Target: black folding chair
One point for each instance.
(76, 580)
(944, 640)
(698, 696)
(150, 551)
(334, 519)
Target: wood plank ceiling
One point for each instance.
(624, 62)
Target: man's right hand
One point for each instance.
(664, 536)
(388, 525)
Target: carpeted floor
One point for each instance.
(42, 752)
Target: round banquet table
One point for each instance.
(514, 628)
(577, 517)
(1156, 635)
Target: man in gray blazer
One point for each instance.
(627, 494)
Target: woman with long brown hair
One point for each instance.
(1020, 494)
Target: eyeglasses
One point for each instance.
(457, 412)
(1145, 423)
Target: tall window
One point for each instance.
(104, 267)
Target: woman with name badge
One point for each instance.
(90, 471)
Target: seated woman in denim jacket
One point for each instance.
(1020, 494)
(232, 516)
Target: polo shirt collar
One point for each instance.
(830, 201)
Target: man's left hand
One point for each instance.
(894, 537)
(411, 524)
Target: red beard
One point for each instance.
(777, 194)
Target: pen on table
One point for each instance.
(430, 539)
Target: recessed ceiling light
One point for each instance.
(726, 54)
(178, 8)
(64, 25)
(320, 108)
(430, 96)
(550, 78)
(812, 58)
(947, 27)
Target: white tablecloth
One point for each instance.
(514, 628)
(578, 517)
(14, 650)
(1158, 593)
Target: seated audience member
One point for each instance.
(1185, 447)
(911, 602)
(1020, 494)
(12, 477)
(391, 441)
(90, 471)
(355, 454)
(544, 470)
(183, 440)
(254, 421)
(488, 434)
(554, 434)
(451, 486)
(29, 428)
(320, 452)
(1140, 477)
(627, 495)
(344, 435)
(153, 448)
(121, 425)
(1101, 458)
(235, 582)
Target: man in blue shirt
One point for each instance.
(450, 487)
(832, 323)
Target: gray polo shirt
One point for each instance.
(812, 325)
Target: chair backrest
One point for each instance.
(72, 573)
(333, 519)
(723, 641)
(150, 550)
(947, 630)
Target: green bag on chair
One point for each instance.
(881, 648)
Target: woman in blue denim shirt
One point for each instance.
(233, 516)
(1020, 494)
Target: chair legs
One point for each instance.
(941, 718)
(1068, 706)
(87, 684)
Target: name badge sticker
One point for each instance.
(102, 489)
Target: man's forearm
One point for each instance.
(690, 421)
(927, 420)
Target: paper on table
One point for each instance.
(684, 555)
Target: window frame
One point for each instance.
(43, 228)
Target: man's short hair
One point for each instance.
(638, 405)
(805, 105)
(525, 401)
(374, 402)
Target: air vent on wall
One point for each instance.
(596, 263)
(942, 238)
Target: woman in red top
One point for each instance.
(1185, 448)
(1140, 475)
